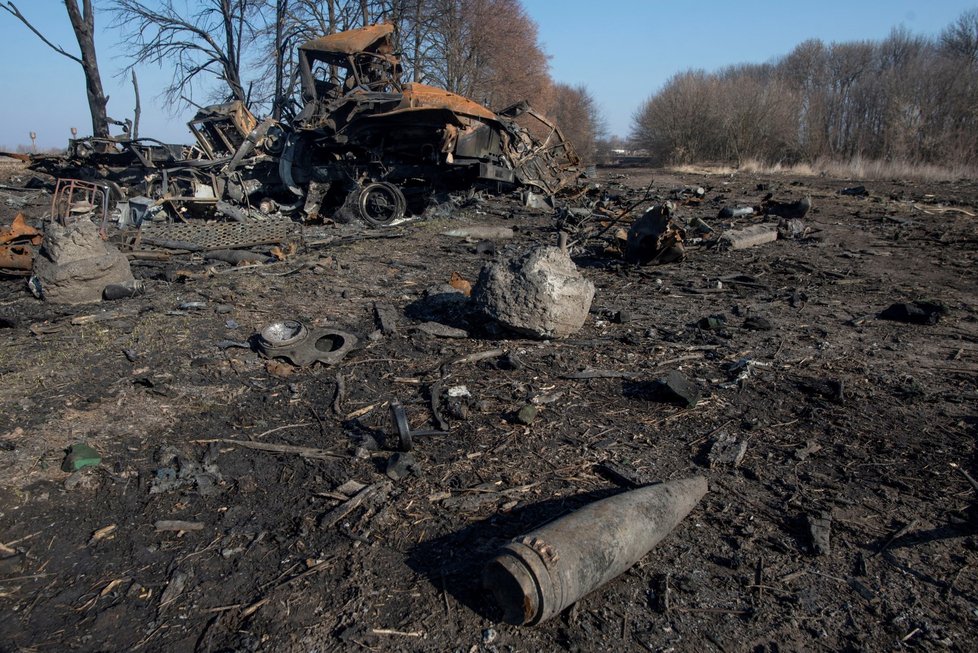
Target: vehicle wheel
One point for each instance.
(381, 203)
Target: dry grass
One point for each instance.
(856, 169)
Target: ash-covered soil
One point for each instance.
(846, 418)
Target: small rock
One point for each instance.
(401, 465)
(83, 479)
(726, 451)
(622, 316)
(758, 323)
(489, 636)
(916, 312)
(820, 529)
(485, 248)
(527, 414)
(712, 323)
(442, 330)
(12, 565)
(676, 388)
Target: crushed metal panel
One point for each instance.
(16, 244)
(20, 231)
(349, 42)
(221, 129)
(420, 96)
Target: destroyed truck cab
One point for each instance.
(366, 144)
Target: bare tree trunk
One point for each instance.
(281, 6)
(83, 23)
(138, 111)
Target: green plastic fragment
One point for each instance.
(80, 455)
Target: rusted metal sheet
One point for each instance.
(20, 231)
(16, 257)
(349, 42)
(421, 96)
(16, 244)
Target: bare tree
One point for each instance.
(487, 50)
(83, 24)
(208, 43)
(960, 38)
(577, 114)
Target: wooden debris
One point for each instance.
(386, 318)
(103, 533)
(591, 373)
(374, 491)
(305, 452)
(178, 525)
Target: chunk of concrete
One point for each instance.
(75, 265)
(758, 234)
(540, 294)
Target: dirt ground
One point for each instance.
(861, 421)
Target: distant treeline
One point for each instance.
(907, 98)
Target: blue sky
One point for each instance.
(622, 50)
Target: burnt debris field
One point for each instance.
(174, 475)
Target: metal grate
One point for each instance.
(219, 235)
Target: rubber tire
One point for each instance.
(392, 192)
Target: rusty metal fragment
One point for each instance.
(17, 244)
(655, 239)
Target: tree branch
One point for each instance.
(12, 9)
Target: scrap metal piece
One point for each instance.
(655, 238)
(291, 340)
(220, 235)
(21, 232)
(401, 428)
(74, 198)
(16, 244)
